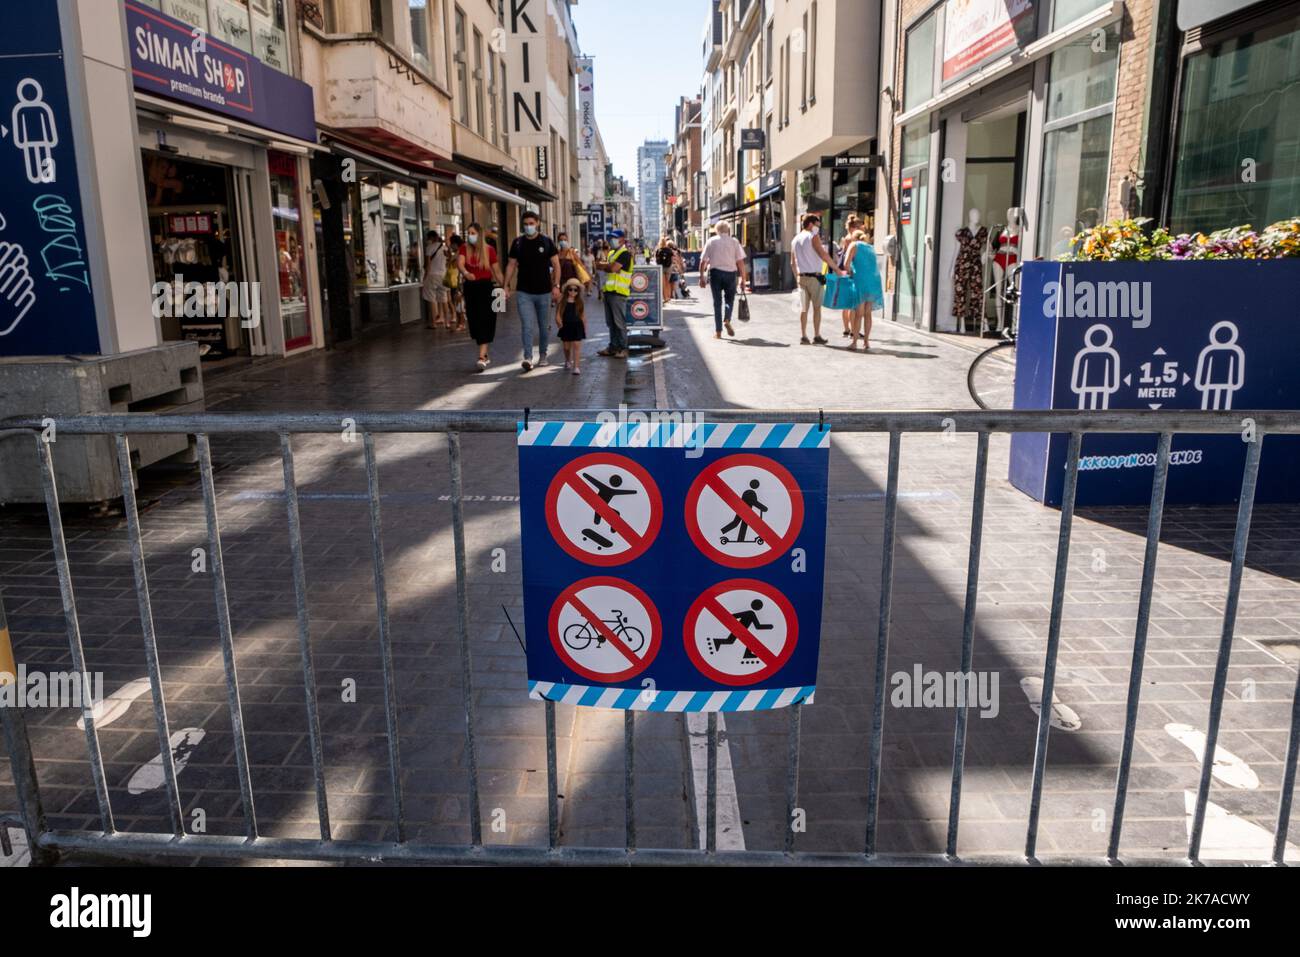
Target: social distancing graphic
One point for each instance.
(605, 629)
(604, 509)
(744, 511)
(672, 565)
(740, 632)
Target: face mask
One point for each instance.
(815, 230)
(530, 230)
(564, 244)
(472, 238)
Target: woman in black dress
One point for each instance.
(480, 275)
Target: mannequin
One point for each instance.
(1007, 254)
(967, 272)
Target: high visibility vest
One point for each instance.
(620, 283)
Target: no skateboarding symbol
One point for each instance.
(604, 509)
(741, 632)
(744, 511)
(605, 629)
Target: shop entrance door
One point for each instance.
(913, 193)
(255, 337)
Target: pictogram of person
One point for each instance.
(1095, 377)
(1221, 367)
(34, 131)
(748, 619)
(607, 491)
(750, 498)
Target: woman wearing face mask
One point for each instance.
(571, 266)
(480, 274)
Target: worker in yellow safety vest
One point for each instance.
(617, 268)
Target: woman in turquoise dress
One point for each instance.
(860, 261)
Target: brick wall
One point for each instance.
(1130, 96)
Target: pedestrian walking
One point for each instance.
(809, 254)
(454, 245)
(664, 260)
(860, 261)
(617, 268)
(534, 261)
(571, 323)
(480, 274)
(722, 265)
(851, 226)
(433, 285)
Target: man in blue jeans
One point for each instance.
(723, 261)
(535, 260)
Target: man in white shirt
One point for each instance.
(723, 262)
(808, 255)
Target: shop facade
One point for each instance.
(225, 132)
(1018, 124)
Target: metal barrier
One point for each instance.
(44, 843)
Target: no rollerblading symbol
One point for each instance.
(740, 632)
(605, 629)
(604, 509)
(744, 511)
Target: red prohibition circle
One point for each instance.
(776, 549)
(639, 310)
(566, 654)
(640, 282)
(735, 584)
(570, 472)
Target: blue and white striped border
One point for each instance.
(676, 435)
(641, 699)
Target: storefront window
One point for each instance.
(386, 232)
(918, 80)
(916, 143)
(290, 255)
(1076, 141)
(1067, 11)
(1238, 126)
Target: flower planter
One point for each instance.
(1158, 335)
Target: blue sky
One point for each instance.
(647, 56)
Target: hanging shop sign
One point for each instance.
(586, 108)
(528, 114)
(673, 566)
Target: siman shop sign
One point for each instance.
(170, 58)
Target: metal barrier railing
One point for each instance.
(44, 842)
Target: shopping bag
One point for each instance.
(838, 292)
(742, 309)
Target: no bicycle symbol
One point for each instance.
(605, 629)
(741, 632)
(604, 509)
(744, 510)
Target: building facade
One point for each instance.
(651, 163)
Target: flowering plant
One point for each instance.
(1131, 239)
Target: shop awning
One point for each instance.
(419, 171)
(733, 213)
(505, 179)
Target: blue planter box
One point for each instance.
(1161, 335)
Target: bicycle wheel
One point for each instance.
(577, 636)
(991, 378)
(634, 638)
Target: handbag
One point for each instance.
(742, 308)
(451, 279)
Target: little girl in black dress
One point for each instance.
(570, 320)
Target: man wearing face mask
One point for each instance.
(535, 261)
(617, 267)
(809, 254)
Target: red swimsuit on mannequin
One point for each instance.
(1006, 257)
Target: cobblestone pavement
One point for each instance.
(763, 366)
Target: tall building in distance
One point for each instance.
(651, 170)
